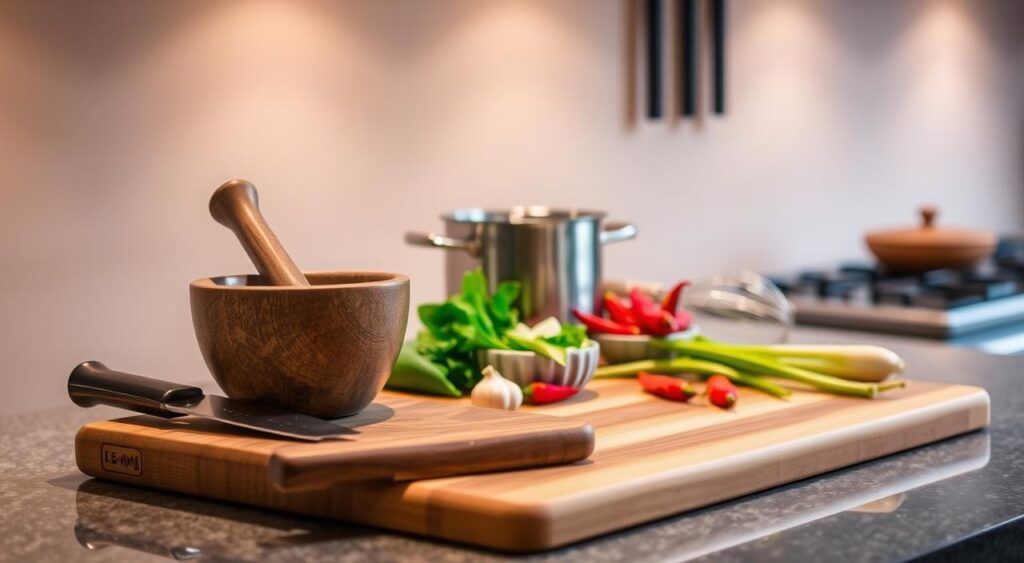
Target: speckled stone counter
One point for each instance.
(903, 506)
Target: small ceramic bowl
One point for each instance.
(619, 348)
(526, 367)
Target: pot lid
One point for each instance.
(928, 235)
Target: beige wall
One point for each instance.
(361, 119)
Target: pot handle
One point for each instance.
(617, 232)
(441, 241)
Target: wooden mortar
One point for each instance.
(319, 343)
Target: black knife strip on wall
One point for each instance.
(688, 25)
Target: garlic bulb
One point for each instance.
(496, 392)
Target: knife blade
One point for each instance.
(92, 383)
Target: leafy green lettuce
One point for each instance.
(455, 331)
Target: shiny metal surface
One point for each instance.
(259, 417)
(862, 314)
(554, 253)
(742, 308)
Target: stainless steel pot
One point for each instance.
(554, 253)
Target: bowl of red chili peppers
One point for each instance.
(629, 325)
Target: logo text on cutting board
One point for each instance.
(119, 459)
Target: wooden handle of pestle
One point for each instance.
(236, 206)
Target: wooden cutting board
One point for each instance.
(653, 458)
(396, 439)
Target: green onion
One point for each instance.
(752, 363)
(856, 362)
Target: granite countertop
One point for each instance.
(898, 507)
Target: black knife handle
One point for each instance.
(654, 73)
(92, 383)
(688, 46)
(718, 14)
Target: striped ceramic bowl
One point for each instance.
(526, 367)
(620, 349)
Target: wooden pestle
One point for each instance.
(236, 206)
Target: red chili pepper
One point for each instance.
(649, 316)
(545, 393)
(683, 319)
(670, 302)
(721, 392)
(603, 325)
(642, 303)
(665, 386)
(659, 323)
(618, 310)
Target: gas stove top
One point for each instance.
(936, 304)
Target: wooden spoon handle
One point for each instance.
(236, 206)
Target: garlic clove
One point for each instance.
(496, 392)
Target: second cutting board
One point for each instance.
(397, 439)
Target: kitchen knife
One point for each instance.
(718, 13)
(688, 45)
(92, 383)
(654, 76)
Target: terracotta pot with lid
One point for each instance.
(930, 247)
